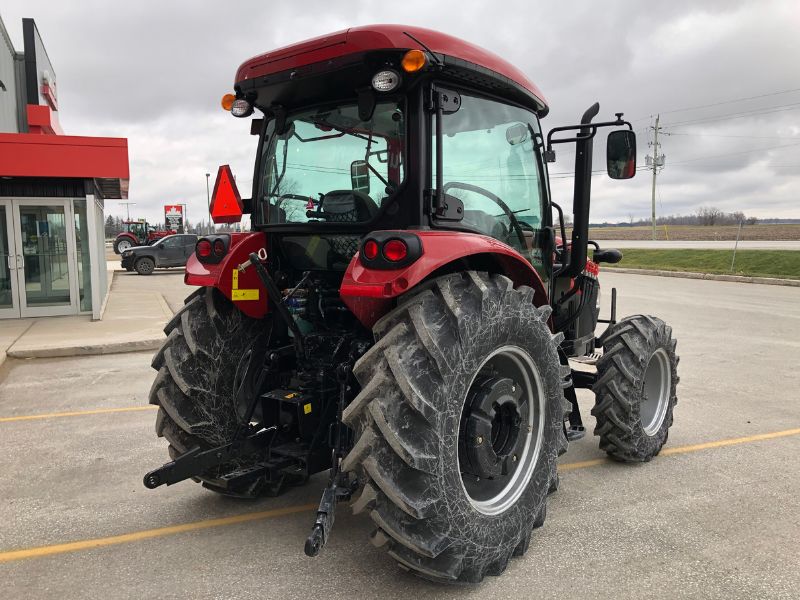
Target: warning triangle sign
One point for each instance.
(226, 203)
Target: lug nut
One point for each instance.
(513, 458)
(479, 440)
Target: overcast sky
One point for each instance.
(154, 72)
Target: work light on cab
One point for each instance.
(241, 108)
(386, 80)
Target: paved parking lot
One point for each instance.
(716, 516)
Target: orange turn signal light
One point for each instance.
(227, 101)
(413, 61)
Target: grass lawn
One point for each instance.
(752, 263)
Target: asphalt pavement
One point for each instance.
(716, 516)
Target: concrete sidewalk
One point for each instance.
(135, 315)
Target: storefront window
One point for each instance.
(82, 236)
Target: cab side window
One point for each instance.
(490, 163)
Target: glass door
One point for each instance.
(9, 305)
(45, 249)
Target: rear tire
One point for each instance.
(196, 365)
(145, 266)
(410, 426)
(635, 392)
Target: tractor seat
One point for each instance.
(607, 255)
(347, 206)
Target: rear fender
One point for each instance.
(370, 293)
(244, 289)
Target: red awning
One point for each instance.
(36, 155)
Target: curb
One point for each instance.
(708, 276)
(89, 350)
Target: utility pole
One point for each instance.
(656, 161)
(128, 208)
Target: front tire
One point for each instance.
(145, 266)
(423, 398)
(121, 245)
(635, 392)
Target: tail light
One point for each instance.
(212, 248)
(390, 249)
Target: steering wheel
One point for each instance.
(512, 219)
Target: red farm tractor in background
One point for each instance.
(138, 233)
(404, 311)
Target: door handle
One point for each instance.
(12, 262)
(20, 262)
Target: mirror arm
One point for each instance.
(550, 154)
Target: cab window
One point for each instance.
(490, 162)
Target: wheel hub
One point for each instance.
(493, 418)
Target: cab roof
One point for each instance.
(357, 40)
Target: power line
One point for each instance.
(668, 112)
(760, 111)
(699, 158)
(750, 137)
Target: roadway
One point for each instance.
(716, 516)
(702, 244)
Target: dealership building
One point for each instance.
(52, 190)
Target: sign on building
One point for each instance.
(173, 217)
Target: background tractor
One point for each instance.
(404, 311)
(138, 233)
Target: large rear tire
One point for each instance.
(636, 388)
(436, 355)
(197, 365)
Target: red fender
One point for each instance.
(244, 289)
(368, 293)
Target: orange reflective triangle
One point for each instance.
(226, 203)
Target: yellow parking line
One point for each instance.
(268, 514)
(77, 413)
(150, 533)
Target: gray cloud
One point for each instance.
(154, 73)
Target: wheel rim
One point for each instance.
(146, 266)
(123, 245)
(514, 430)
(656, 392)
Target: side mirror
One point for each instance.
(621, 154)
(359, 176)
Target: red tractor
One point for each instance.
(404, 311)
(138, 233)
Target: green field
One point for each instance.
(751, 263)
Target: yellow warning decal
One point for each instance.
(237, 294)
(244, 295)
(307, 409)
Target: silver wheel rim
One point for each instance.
(123, 245)
(517, 360)
(655, 392)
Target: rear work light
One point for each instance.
(371, 249)
(203, 248)
(390, 249)
(212, 249)
(395, 250)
